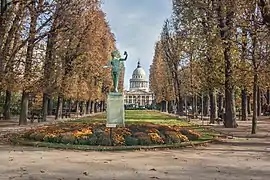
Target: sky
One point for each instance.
(137, 25)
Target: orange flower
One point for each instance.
(83, 132)
(155, 138)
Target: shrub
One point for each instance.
(40, 136)
(191, 135)
(118, 139)
(97, 134)
(122, 131)
(152, 130)
(50, 138)
(131, 141)
(32, 136)
(155, 138)
(93, 140)
(68, 139)
(144, 140)
(83, 140)
(175, 137)
(104, 139)
(138, 134)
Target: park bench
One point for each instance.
(220, 118)
(266, 110)
(35, 114)
(66, 113)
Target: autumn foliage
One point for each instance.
(214, 55)
(54, 50)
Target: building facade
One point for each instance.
(138, 94)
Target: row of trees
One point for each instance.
(53, 48)
(218, 49)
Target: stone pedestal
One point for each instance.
(115, 109)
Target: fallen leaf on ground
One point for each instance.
(22, 169)
(154, 177)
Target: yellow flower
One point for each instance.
(155, 137)
(83, 132)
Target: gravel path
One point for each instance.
(242, 157)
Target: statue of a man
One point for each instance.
(116, 68)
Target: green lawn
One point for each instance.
(137, 121)
(141, 116)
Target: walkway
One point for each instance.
(244, 157)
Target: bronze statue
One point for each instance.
(116, 69)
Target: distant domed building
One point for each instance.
(138, 94)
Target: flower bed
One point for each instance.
(96, 134)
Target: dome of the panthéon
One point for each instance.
(139, 73)
(139, 80)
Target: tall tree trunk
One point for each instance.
(206, 105)
(88, 107)
(50, 106)
(2, 34)
(255, 106)
(225, 17)
(7, 105)
(213, 106)
(83, 108)
(59, 109)
(163, 106)
(24, 108)
(248, 105)
(69, 106)
(244, 105)
(195, 105)
(100, 106)
(170, 106)
(259, 108)
(45, 107)
(28, 64)
(268, 96)
(220, 102)
(180, 106)
(95, 107)
(230, 116)
(92, 107)
(48, 66)
(77, 107)
(103, 106)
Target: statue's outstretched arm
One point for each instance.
(126, 54)
(108, 65)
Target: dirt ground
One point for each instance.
(242, 157)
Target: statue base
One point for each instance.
(115, 109)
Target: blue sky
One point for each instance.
(137, 25)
